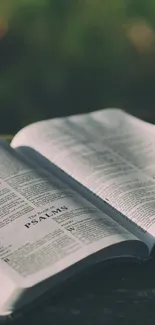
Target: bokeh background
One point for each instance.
(60, 57)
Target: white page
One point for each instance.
(44, 226)
(109, 152)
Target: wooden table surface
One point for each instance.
(115, 294)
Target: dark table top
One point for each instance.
(116, 294)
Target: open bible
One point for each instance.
(74, 191)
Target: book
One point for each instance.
(74, 191)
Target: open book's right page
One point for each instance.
(109, 152)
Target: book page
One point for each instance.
(44, 226)
(109, 152)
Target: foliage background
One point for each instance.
(60, 57)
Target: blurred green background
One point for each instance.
(60, 57)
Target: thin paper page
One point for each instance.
(109, 152)
(44, 226)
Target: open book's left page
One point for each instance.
(44, 226)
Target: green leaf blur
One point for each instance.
(64, 57)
